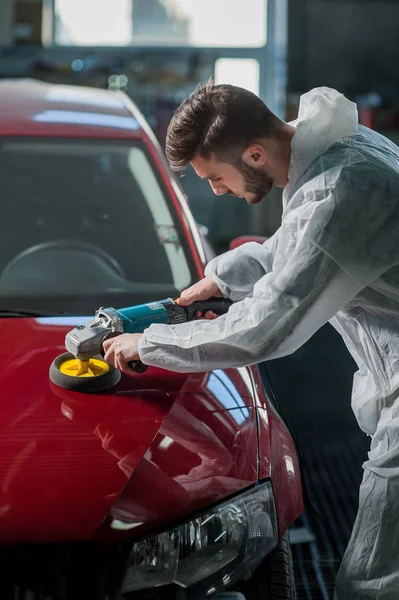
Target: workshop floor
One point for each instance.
(313, 389)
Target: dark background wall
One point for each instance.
(352, 45)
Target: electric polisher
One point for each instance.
(82, 368)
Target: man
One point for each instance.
(334, 258)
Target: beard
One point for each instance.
(257, 182)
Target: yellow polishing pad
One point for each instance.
(84, 368)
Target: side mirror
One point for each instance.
(243, 239)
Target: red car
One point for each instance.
(169, 485)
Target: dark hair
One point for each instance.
(219, 119)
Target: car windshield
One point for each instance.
(86, 224)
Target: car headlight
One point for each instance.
(215, 548)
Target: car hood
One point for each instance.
(69, 460)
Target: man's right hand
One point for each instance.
(202, 290)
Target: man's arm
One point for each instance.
(286, 309)
(236, 272)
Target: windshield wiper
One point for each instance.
(12, 312)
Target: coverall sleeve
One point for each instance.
(287, 307)
(250, 262)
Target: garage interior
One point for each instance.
(157, 51)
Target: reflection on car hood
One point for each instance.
(68, 460)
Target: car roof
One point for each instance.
(32, 107)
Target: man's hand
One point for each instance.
(120, 350)
(202, 290)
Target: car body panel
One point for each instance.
(201, 454)
(278, 458)
(31, 107)
(285, 476)
(72, 454)
(58, 481)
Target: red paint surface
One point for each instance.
(285, 477)
(58, 480)
(24, 102)
(202, 454)
(278, 459)
(66, 457)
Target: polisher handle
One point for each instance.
(137, 366)
(219, 306)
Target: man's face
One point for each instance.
(246, 181)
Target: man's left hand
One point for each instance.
(122, 349)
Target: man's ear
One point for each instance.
(255, 155)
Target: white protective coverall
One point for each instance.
(334, 258)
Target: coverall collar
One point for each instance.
(325, 116)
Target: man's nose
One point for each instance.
(218, 188)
